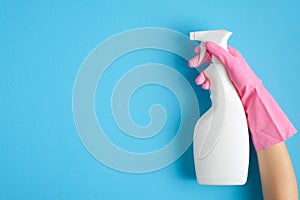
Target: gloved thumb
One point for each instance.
(221, 54)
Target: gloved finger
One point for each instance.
(197, 49)
(225, 57)
(194, 62)
(206, 85)
(234, 52)
(200, 79)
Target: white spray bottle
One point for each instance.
(221, 141)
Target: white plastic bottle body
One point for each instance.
(221, 139)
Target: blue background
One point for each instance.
(42, 45)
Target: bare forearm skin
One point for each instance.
(277, 173)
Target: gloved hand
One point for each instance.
(267, 122)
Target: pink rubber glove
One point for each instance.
(267, 122)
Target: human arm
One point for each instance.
(268, 124)
(277, 173)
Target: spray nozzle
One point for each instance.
(219, 37)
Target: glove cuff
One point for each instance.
(268, 124)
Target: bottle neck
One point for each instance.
(221, 87)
